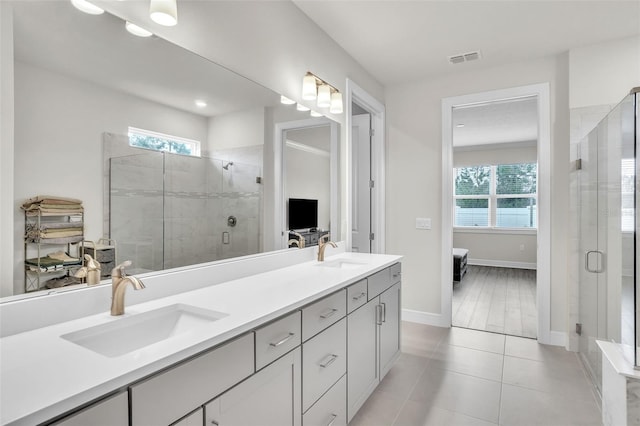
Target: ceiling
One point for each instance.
(398, 41)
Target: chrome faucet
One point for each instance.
(322, 245)
(119, 281)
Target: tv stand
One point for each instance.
(310, 237)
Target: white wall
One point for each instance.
(604, 73)
(62, 155)
(236, 129)
(414, 173)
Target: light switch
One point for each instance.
(423, 223)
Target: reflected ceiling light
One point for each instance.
(136, 30)
(327, 96)
(460, 125)
(309, 90)
(336, 103)
(200, 103)
(164, 12)
(315, 114)
(324, 96)
(301, 107)
(87, 7)
(286, 101)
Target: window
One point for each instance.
(160, 142)
(500, 196)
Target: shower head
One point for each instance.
(226, 166)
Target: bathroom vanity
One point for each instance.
(290, 346)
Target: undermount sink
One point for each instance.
(341, 264)
(127, 334)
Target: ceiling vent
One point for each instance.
(464, 57)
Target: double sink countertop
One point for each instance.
(43, 374)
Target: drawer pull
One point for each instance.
(379, 314)
(358, 297)
(214, 423)
(333, 419)
(384, 312)
(284, 340)
(328, 313)
(329, 361)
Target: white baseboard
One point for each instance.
(501, 263)
(424, 318)
(557, 338)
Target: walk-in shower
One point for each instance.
(607, 171)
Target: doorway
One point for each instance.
(543, 239)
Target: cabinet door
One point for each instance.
(271, 397)
(193, 419)
(111, 412)
(389, 328)
(362, 362)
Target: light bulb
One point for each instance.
(286, 101)
(164, 12)
(200, 103)
(309, 87)
(136, 30)
(87, 7)
(301, 107)
(336, 103)
(324, 96)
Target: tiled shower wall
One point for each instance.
(170, 210)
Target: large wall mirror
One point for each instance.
(81, 82)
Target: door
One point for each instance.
(389, 328)
(361, 190)
(362, 365)
(271, 397)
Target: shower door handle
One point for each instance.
(599, 261)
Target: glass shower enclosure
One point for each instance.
(608, 197)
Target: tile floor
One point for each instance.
(457, 376)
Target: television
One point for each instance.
(303, 213)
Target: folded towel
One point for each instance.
(50, 199)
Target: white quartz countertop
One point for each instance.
(43, 375)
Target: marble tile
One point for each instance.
(487, 365)
(552, 377)
(474, 339)
(469, 395)
(526, 407)
(417, 414)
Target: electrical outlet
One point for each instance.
(423, 223)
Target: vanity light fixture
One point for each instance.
(315, 114)
(164, 12)
(336, 103)
(302, 108)
(286, 101)
(200, 103)
(327, 96)
(136, 30)
(87, 7)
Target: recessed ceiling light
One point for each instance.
(200, 103)
(136, 30)
(459, 125)
(87, 7)
(315, 114)
(300, 107)
(286, 101)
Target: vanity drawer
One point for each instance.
(356, 295)
(113, 411)
(166, 397)
(331, 409)
(378, 282)
(396, 273)
(324, 361)
(276, 339)
(321, 314)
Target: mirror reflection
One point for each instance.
(82, 82)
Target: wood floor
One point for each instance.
(500, 300)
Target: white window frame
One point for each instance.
(492, 200)
(194, 144)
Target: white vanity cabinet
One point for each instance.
(194, 419)
(168, 396)
(113, 411)
(373, 338)
(271, 397)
